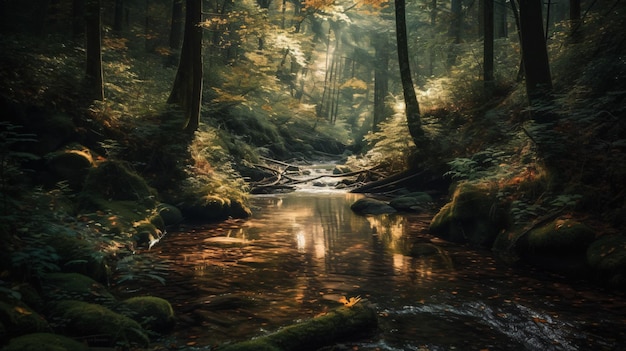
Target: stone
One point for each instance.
(62, 286)
(153, 313)
(411, 202)
(607, 257)
(473, 216)
(369, 206)
(44, 342)
(83, 319)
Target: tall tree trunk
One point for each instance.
(413, 117)
(381, 79)
(501, 25)
(534, 51)
(454, 31)
(187, 89)
(78, 18)
(176, 31)
(118, 20)
(93, 48)
(574, 20)
(488, 48)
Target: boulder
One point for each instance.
(114, 181)
(83, 319)
(417, 201)
(170, 214)
(44, 342)
(607, 257)
(64, 286)
(153, 313)
(334, 326)
(369, 206)
(71, 164)
(18, 319)
(473, 216)
(559, 245)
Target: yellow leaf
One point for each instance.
(22, 310)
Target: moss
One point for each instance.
(171, 215)
(332, 327)
(44, 342)
(473, 216)
(77, 256)
(607, 256)
(560, 238)
(63, 286)
(114, 181)
(18, 319)
(153, 313)
(83, 319)
(71, 164)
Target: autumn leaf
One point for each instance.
(350, 302)
(22, 310)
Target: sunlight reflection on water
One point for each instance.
(300, 252)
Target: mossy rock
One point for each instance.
(114, 181)
(335, 326)
(77, 256)
(18, 319)
(170, 214)
(607, 256)
(411, 202)
(558, 246)
(146, 233)
(71, 164)
(74, 286)
(153, 313)
(561, 237)
(215, 210)
(44, 342)
(83, 319)
(473, 216)
(369, 206)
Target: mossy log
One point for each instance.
(340, 324)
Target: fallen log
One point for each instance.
(340, 324)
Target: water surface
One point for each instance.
(301, 252)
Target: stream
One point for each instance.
(301, 252)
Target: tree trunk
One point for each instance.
(187, 89)
(176, 31)
(118, 20)
(454, 31)
(381, 79)
(78, 18)
(501, 25)
(488, 48)
(93, 48)
(413, 117)
(574, 20)
(534, 51)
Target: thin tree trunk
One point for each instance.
(176, 32)
(381, 78)
(93, 48)
(534, 51)
(118, 14)
(574, 20)
(410, 98)
(488, 48)
(187, 89)
(78, 18)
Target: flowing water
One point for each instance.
(301, 252)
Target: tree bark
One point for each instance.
(118, 20)
(534, 51)
(93, 48)
(381, 79)
(413, 117)
(574, 20)
(187, 89)
(454, 31)
(488, 48)
(176, 31)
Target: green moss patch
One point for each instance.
(44, 342)
(472, 216)
(18, 319)
(153, 313)
(607, 256)
(74, 286)
(82, 319)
